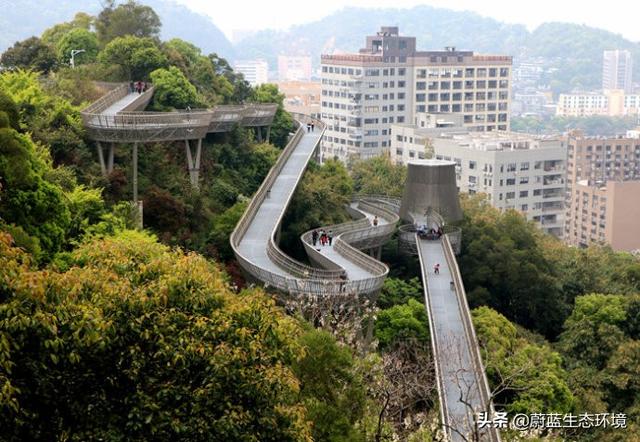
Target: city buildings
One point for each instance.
(516, 171)
(603, 198)
(254, 71)
(612, 103)
(294, 68)
(389, 82)
(617, 67)
(301, 96)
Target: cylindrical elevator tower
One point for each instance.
(431, 184)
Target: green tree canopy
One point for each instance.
(378, 176)
(80, 21)
(282, 122)
(529, 376)
(136, 56)
(31, 53)
(77, 39)
(130, 18)
(172, 89)
(403, 321)
(138, 342)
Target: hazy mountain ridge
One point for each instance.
(34, 16)
(576, 50)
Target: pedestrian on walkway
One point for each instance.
(314, 237)
(436, 269)
(375, 221)
(132, 87)
(313, 126)
(330, 237)
(308, 127)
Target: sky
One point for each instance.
(618, 16)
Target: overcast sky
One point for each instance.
(619, 16)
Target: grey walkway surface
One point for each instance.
(121, 104)
(454, 351)
(353, 271)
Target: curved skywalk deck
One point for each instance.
(346, 269)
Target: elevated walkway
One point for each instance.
(346, 270)
(462, 382)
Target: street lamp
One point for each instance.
(75, 52)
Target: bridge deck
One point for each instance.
(121, 104)
(458, 376)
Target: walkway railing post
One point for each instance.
(135, 173)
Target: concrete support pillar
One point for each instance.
(259, 133)
(268, 133)
(103, 166)
(112, 148)
(135, 173)
(194, 163)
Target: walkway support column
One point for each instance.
(112, 148)
(135, 173)
(103, 167)
(268, 132)
(194, 166)
(259, 132)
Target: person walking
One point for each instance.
(375, 221)
(313, 126)
(132, 87)
(436, 269)
(314, 237)
(330, 237)
(308, 127)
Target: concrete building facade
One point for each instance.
(254, 71)
(516, 171)
(603, 198)
(612, 103)
(617, 67)
(389, 82)
(294, 68)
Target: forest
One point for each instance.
(112, 333)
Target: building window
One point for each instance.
(472, 164)
(524, 193)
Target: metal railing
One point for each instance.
(472, 340)
(299, 277)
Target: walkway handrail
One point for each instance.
(107, 100)
(470, 333)
(444, 410)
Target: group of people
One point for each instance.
(322, 237)
(137, 86)
(311, 126)
(432, 233)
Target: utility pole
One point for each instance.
(75, 52)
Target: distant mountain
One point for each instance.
(24, 18)
(575, 50)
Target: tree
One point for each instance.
(131, 18)
(172, 89)
(136, 341)
(77, 39)
(378, 176)
(31, 53)
(222, 226)
(241, 88)
(398, 291)
(525, 377)
(330, 387)
(282, 122)
(402, 322)
(55, 33)
(136, 56)
(27, 200)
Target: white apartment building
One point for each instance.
(617, 67)
(516, 171)
(611, 103)
(254, 71)
(390, 82)
(294, 68)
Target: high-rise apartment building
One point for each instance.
(603, 198)
(294, 68)
(389, 81)
(254, 71)
(617, 67)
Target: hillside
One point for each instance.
(575, 50)
(177, 21)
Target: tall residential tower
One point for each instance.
(616, 71)
(389, 81)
